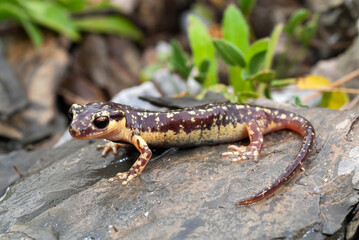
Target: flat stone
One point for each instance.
(191, 193)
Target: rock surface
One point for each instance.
(191, 193)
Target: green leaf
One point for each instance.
(202, 48)
(204, 67)
(334, 100)
(248, 94)
(109, 24)
(183, 71)
(203, 71)
(307, 32)
(282, 82)
(296, 18)
(298, 102)
(255, 55)
(178, 60)
(235, 28)
(51, 15)
(271, 47)
(230, 53)
(246, 5)
(33, 32)
(73, 5)
(236, 80)
(263, 76)
(10, 10)
(257, 62)
(177, 53)
(256, 48)
(267, 92)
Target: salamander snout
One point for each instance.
(79, 120)
(75, 109)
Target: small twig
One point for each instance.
(350, 104)
(333, 89)
(18, 171)
(10, 132)
(71, 97)
(336, 83)
(343, 90)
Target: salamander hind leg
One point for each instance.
(250, 152)
(140, 163)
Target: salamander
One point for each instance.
(202, 125)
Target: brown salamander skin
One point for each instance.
(203, 125)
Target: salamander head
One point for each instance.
(97, 120)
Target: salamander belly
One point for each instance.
(199, 136)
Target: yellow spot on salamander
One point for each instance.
(192, 112)
(267, 110)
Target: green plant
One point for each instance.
(251, 76)
(249, 63)
(300, 30)
(202, 49)
(246, 6)
(56, 15)
(179, 61)
(236, 31)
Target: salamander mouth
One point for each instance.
(84, 134)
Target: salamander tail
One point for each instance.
(303, 127)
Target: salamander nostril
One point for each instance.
(72, 131)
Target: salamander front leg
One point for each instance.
(251, 152)
(110, 146)
(140, 163)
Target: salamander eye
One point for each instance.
(101, 122)
(70, 114)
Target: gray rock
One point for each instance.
(190, 193)
(12, 95)
(324, 5)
